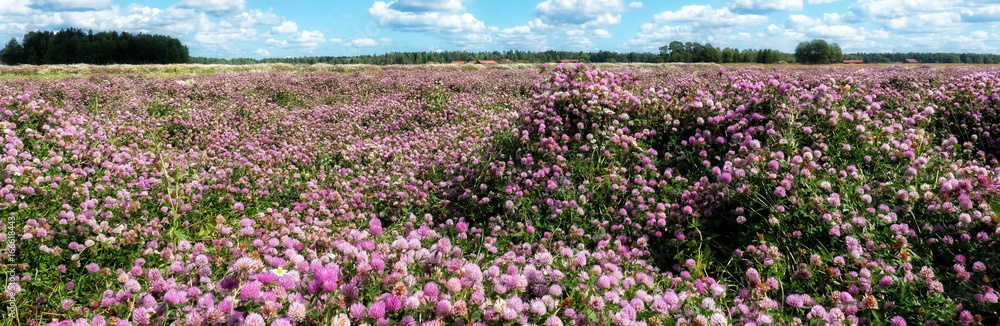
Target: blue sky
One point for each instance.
(257, 28)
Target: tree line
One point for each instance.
(404, 58)
(971, 58)
(71, 46)
(678, 51)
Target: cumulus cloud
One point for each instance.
(579, 43)
(363, 42)
(699, 23)
(523, 37)
(434, 21)
(602, 33)
(706, 16)
(262, 52)
(287, 27)
(69, 5)
(981, 14)
(213, 6)
(590, 12)
(446, 18)
(429, 5)
(635, 5)
(763, 6)
(889, 9)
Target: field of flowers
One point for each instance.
(571, 196)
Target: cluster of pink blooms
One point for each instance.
(579, 196)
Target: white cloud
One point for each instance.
(265, 17)
(222, 34)
(287, 27)
(262, 52)
(635, 5)
(429, 5)
(706, 16)
(523, 37)
(889, 9)
(602, 33)
(276, 42)
(425, 21)
(68, 5)
(363, 42)
(926, 22)
(762, 6)
(695, 23)
(213, 6)
(579, 43)
(988, 13)
(446, 18)
(580, 12)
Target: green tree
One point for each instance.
(818, 52)
(12, 54)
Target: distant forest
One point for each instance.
(675, 52)
(405, 58)
(925, 57)
(72, 46)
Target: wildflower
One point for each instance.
(297, 311)
(343, 320)
(604, 282)
(281, 322)
(897, 321)
(279, 271)
(175, 297)
(376, 310)
(442, 308)
(375, 226)
(431, 290)
(869, 302)
(250, 291)
(357, 311)
(718, 319)
(392, 303)
(885, 282)
(794, 300)
(254, 319)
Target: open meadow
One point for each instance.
(566, 195)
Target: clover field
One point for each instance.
(575, 195)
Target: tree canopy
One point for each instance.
(677, 51)
(818, 52)
(71, 46)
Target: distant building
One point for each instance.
(567, 61)
(853, 62)
(458, 62)
(484, 62)
(911, 61)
